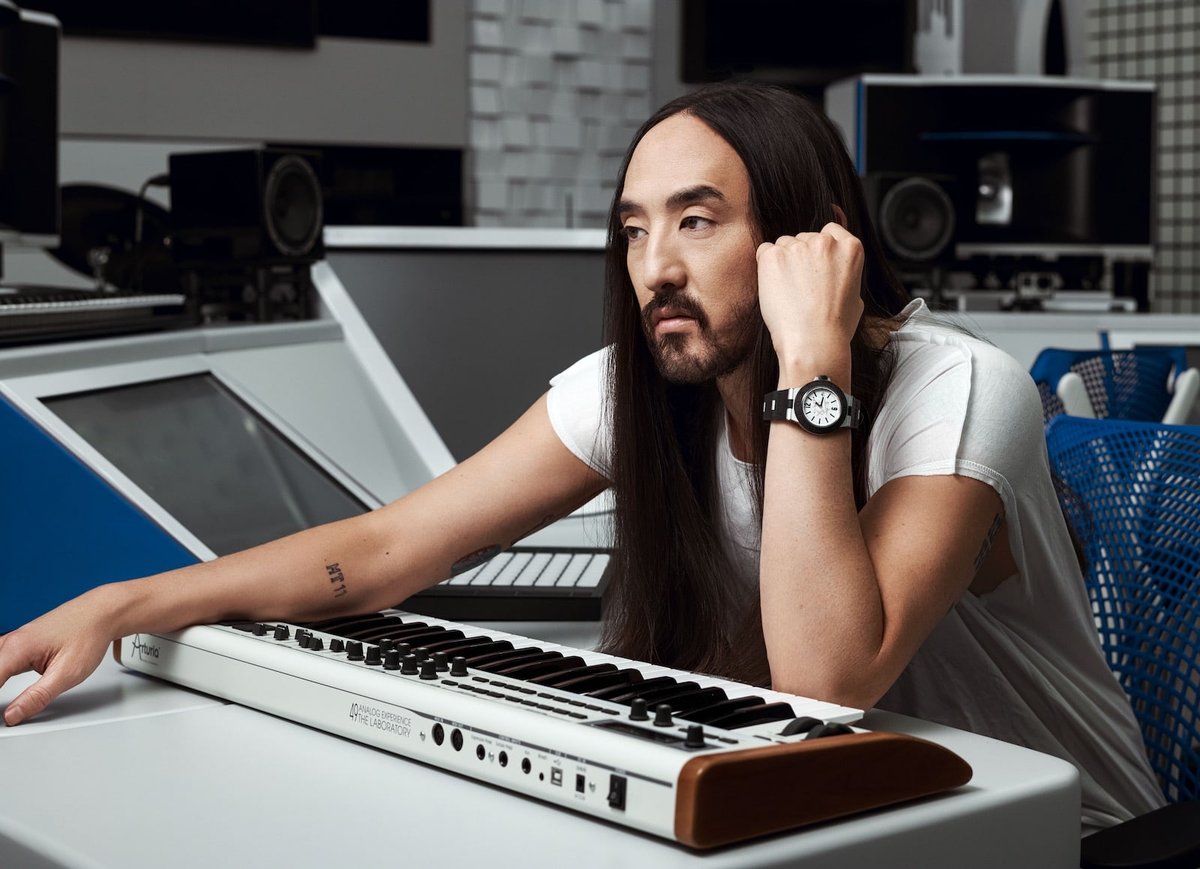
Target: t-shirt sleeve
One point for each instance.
(957, 406)
(577, 410)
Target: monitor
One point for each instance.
(29, 61)
(209, 459)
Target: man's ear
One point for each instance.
(840, 216)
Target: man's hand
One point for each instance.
(64, 646)
(809, 292)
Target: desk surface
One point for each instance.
(129, 772)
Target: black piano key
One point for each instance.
(419, 637)
(625, 693)
(667, 693)
(595, 681)
(682, 704)
(347, 625)
(713, 711)
(488, 651)
(554, 680)
(453, 646)
(489, 663)
(764, 714)
(533, 669)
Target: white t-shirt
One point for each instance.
(1021, 663)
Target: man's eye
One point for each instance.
(633, 232)
(695, 222)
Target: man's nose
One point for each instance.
(663, 265)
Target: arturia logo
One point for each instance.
(145, 651)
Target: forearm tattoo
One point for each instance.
(988, 539)
(336, 578)
(474, 559)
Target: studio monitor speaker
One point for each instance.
(914, 214)
(254, 206)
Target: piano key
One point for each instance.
(533, 669)
(530, 573)
(764, 714)
(708, 714)
(465, 577)
(681, 704)
(548, 577)
(667, 693)
(456, 645)
(555, 679)
(516, 658)
(595, 570)
(626, 693)
(497, 564)
(595, 681)
(573, 571)
(512, 570)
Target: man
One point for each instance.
(813, 488)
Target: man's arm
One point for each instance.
(519, 482)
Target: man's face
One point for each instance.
(685, 210)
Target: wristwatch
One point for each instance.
(819, 406)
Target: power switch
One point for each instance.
(616, 792)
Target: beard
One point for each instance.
(705, 355)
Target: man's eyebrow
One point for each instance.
(679, 199)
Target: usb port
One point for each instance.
(556, 776)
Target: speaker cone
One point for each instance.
(292, 206)
(916, 219)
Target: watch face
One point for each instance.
(822, 407)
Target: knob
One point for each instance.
(458, 666)
(428, 669)
(695, 736)
(421, 652)
(303, 639)
(440, 662)
(336, 645)
(354, 651)
(637, 710)
(391, 660)
(384, 645)
(403, 649)
(259, 629)
(282, 632)
(662, 715)
(408, 667)
(373, 659)
(316, 644)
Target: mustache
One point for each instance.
(679, 303)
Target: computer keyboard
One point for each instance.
(545, 583)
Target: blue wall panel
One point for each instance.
(63, 529)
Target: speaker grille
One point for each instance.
(292, 206)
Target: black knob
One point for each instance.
(354, 651)
(391, 660)
(336, 645)
(373, 659)
(695, 736)
(403, 649)
(384, 645)
(303, 639)
(408, 667)
(458, 666)
(662, 715)
(259, 629)
(441, 662)
(421, 652)
(316, 644)
(803, 724)
(282, 632)
(428, 669)
(637, 710)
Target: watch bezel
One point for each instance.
(798, 406)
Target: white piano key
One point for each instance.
(513, 569)
(577, 566)
(497, 564)
(595, 570)
(533, 570)
(465, 577)
(549, 576)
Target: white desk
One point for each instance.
(127, 772)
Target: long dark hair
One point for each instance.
(674, 598)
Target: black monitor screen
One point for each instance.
(208, 459)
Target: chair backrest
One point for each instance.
(1121, 384)
(1131, 491)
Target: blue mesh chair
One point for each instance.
(1144, 383)
(1131, 491)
